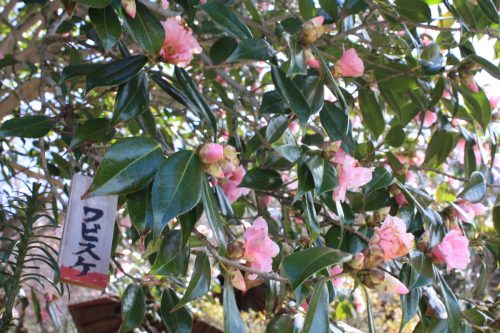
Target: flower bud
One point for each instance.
(311, 60)
(349, 65)
(357, 262)
(231, 155)
(373, 256)
(211, 153)
(213, 170)
(423, 241)
(312, 30)
(130, 7)
(236, 249)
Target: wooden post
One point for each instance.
(87, 238)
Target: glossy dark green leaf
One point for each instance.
(331, 7)
(195, 100)
(395, 136)
(93, 131)
(414, 10)
(232, 317)
(316, 166)
(177, 187)
(107, 25)
(225, 19)
(170, 247)
(262, 179)
(475, 189)
(496, 214)
(441, 144)
(489, 9)
(199, 284)
(132, 98)
(371, 112)
(94, 3)
(146, 29)
(369, 312)
(451, 304)
(281, 324)
(311, 219)
(222, 49)
(27, 127)
(176, 321)
(307, 9)
(302, 264)
(478, 106)
(116, 72)
(277, 126)
(140, 209)
(213, 216)
(133, 307)
(272, 103)
(188, 221)
(72, 71)
(338, 126)
(486, 65)
(313, 89)
(292, 95)
(380, 178)
(409, 302)
(251, 49)
(297, 57)
(128, 165)
(317, 317)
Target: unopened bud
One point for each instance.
(423, 241)
(231, 155)
(312, 30)
(211, 153)
(214, 170)
(236, 249)
(357, 262)
(373, 256)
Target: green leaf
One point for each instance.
(140, 209)
(277, 126)
(93, 131)
(311, 219)
(177, 188)
(292, 95)
(195, 100)
(213, 216)
(369, 312)
(302, 264)
(222, 49)
(27, 127)
(475, 189)
(313, 89)
(331, 7)
(178, 321)
(232, 317)
(225, 19)
(200, 281)
(251, 49)
(188, 221)
(170, 247)
(409, 302)
(489, 9)
(132, 98)
(371, 112)
(107, 25)
(317, 317)
(72, 71)
(414, 10)
(395, 136)
(307, 9)
(146, 29)
(338, 126)
(281, 324)
(478, 106)
(380, 178)
(128, 166)
(116, 72)
(451, 304)
(496, 215)
(94, 3)
(486, 65)
(441, 144)
(272, 103)
(133, 304)
(262, 179)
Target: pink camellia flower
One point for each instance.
(130, 7)
(350, 65)
(232, 179)
(453, 250)
(311, 60)
(211, 153)
(350, 176)
(179, 44)
(468, 211)
(471, 84)
(429, 118)
(494, 101)
(259, 248)
(165, 4)
(336, 270)
(392, 238)
(392, 285)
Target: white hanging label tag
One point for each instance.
(87, 237)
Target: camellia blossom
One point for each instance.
(350, 176)
(468, 211)
(165, 4)
(259, 248)
(349, 65)
(232, 179)
(392, 238)
(312, 30)
(130, 7)
(453, 250)
(311, 60)
(429, 118)
(211, 153)
(179, 44)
